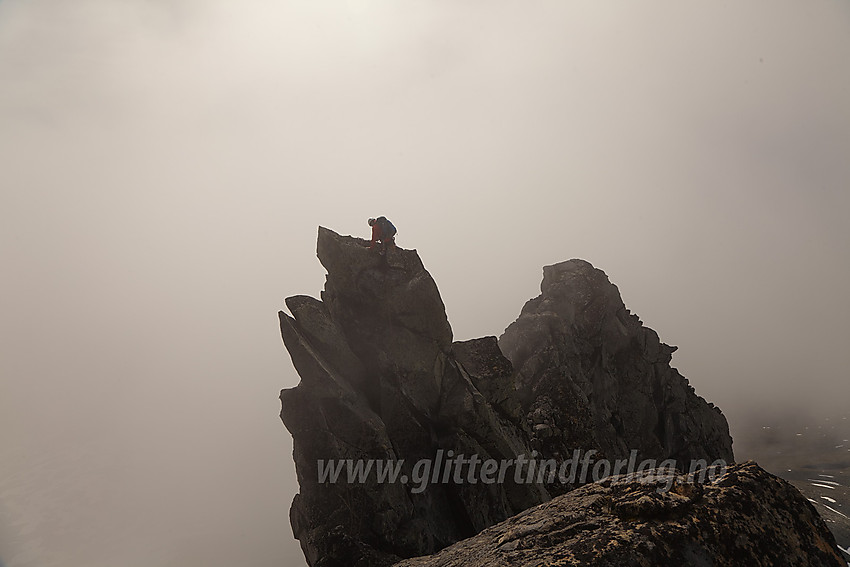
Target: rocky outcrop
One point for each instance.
(590, 375)
(382, 382)
(390, 409)
(746, 517)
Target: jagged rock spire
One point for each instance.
(381, 380)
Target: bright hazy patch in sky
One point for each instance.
(165, 165)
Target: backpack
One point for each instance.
(388, 229)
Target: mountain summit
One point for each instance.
(589, 368)
(406, 442)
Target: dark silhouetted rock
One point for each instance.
(382, 384)
(597, 378)
(380, 381)
(746, 517)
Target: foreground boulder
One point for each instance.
(746, 517)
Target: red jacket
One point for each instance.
(376, 234)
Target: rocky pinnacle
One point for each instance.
(383, 382)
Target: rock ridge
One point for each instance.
(383, 382)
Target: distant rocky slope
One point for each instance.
(590, 374)
(382, 382)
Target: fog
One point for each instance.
(164, 166)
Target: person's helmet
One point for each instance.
(371, 222)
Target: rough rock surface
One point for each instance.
(591, 376)
(746, 517)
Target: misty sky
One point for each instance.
(164, 166)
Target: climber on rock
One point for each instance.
(384, 232)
